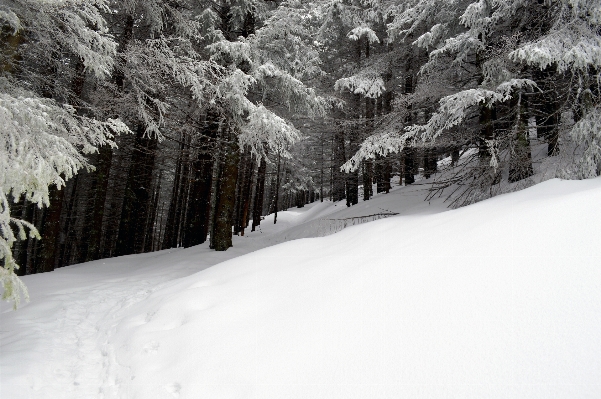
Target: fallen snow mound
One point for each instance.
(501, 299)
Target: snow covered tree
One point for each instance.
(45, 138)
(483, 62)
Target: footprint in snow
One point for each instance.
(173, 389)
(152, 347)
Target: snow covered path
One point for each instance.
(501, 299)
(58, 345)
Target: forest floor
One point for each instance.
(501, 299)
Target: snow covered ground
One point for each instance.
(501, 299)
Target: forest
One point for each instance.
(134, 126)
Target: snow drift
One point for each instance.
(501, 299)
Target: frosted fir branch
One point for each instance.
(156, 66)
(495, 71)
(83, 32)
(227, 52)
(10, 19)
(451, 112)
(453, 108)
(233, 90)
(68, 26)
(588, 10)
(379, 144)
(411, 17)
(367, 84)
(361, 31)
(571, 46)
(287, 40)
(13, 288)
(266, 129)
(587, 133)
(462, 46)
(482, 16)
(41, 144)
(432, 37)
(294, 92)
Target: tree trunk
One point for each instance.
(277, 192)
(51, 231)
(521, 158)
(367, 179)
(224, 210)
(379, 173)
(138, 195)
(548, 115)
(246, 194)
(259, 194)
(102, 173)
(339, 178)
(170, 236)
(486, 133)
(198, 208)
(409, 165)
(24, 210)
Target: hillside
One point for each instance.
(501, 299)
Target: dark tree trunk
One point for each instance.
(151, 219)
(455, 156)
(521, 159)
(126, 37)
(276, 196)
(103, 169)
(243, 192)
(170, 236)
(379, 174)
(486, 132)
(548, 115)
(24, 209)
(259, 194)
(246, 196)
(182, 199)
(409, 165)
(367, 180)
(138, 195)
(69, 218)
(51, 231)
(430, 164)
(339, 178)
(387, 174)
(9, 45)
(226, 197)
(52, 222)
(200, 194)
(368, 165)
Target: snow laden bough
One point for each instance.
(572, 45)
(259, 128)
(451, 112)
(42, 143)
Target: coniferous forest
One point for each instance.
(134, 126)
(286, 199)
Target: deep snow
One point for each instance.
(501, 299)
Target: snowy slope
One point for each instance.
(501, 299)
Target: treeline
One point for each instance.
(190, 120)
(203, 157)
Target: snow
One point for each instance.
(501, 299)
